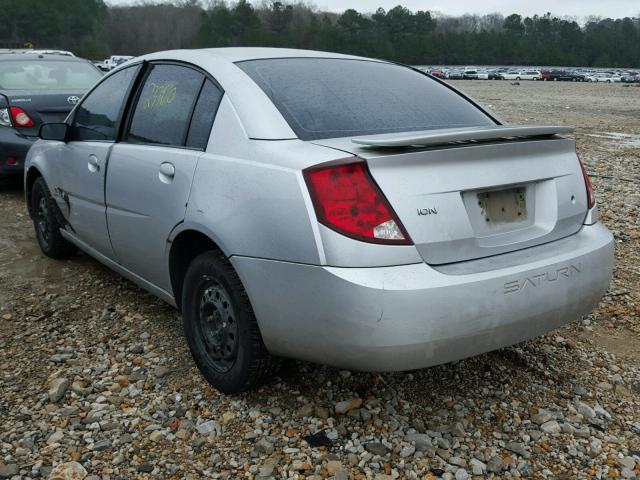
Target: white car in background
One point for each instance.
(522, 75)
(511, 75)
(531, 75)
(603, 77)
(114, 60)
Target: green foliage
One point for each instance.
(90, 28)
(61, 24)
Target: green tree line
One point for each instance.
(93, 29)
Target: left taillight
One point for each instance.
(5, 117)
(20, 118)
(347, 200)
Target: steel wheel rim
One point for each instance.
(218, 326)
(42, 220)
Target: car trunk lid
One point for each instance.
(44, 107)
(470, 193)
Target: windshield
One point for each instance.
(47, 75)
(330, 98)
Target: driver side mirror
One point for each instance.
(54, 131)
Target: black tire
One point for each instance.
(47, 222)
(225, 341)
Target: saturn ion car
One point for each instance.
(330, 208)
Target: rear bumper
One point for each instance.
(413, 316)
(13, 150)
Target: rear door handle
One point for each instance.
(167, 172)
(94, 164)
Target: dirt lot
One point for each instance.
(95, 371)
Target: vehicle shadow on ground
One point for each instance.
(11, 184)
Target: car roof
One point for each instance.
(38, 56)
(241, 54)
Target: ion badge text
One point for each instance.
(541, 279)
(427, 211)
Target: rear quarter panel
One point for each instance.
(249, 195)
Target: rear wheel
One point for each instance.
(47, 221)
(220, 327)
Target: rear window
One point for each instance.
(329, 98)
(47, 75)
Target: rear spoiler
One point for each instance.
(450, 135)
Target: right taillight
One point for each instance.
(20, 118)
(347, 200)
(591, 198)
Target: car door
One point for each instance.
(84, 158)
(151, 169)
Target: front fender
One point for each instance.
(44, 157)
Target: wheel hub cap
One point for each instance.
(218, 327)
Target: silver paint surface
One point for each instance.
(462, 289)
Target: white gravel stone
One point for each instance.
(477, 467)
(552, 427)
(461, 474)
(585, 410)
(57, 388)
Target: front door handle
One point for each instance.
(94, 164)
(167, 172)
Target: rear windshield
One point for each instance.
(329, 98)
(47, 75)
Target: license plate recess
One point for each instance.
(499, 207)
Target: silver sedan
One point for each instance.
(323, 207)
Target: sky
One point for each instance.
(573, 8)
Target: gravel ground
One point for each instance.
(96, 380)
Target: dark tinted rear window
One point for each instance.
(203, 116)
(328, 98)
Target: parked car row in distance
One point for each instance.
(536, 74)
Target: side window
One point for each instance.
(98, 115)
(164, 105)
(203, 116)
